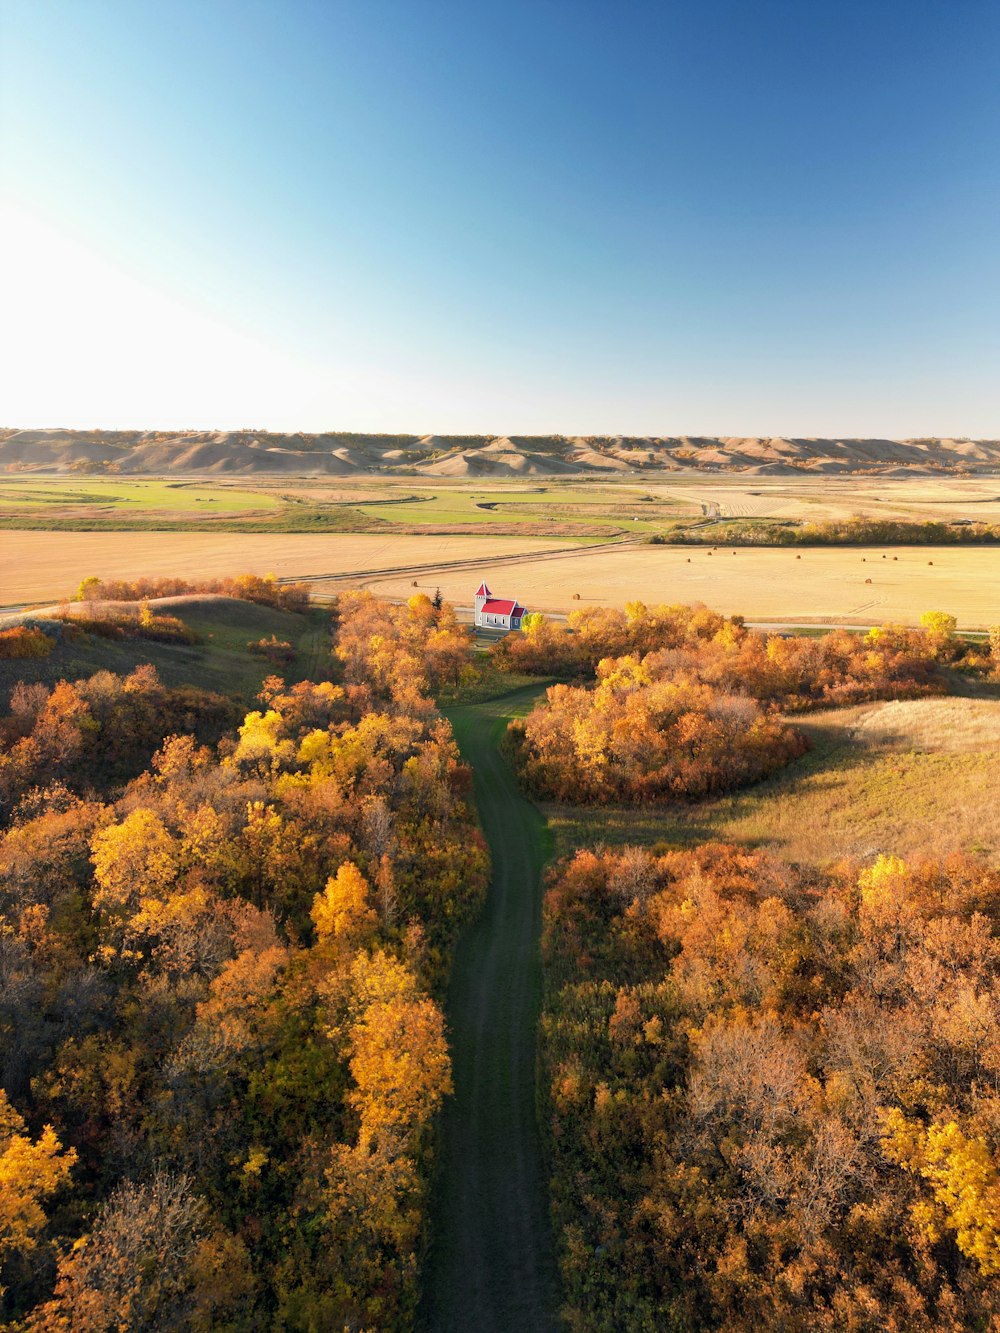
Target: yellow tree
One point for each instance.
(343, 910)
(533, 623)
(963, 1178)
(28, 1173)
(422, 610)
(261, 749)
(399, 1056)
(940, 627)
(135, 859)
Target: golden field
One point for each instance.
(821, 585)
(42, 566)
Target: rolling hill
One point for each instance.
(262, 453)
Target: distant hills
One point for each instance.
(243, 453)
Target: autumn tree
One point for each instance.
(30, 1171)
(220, 966)
(768, 1092)
(342, 910)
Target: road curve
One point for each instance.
(492, 1265)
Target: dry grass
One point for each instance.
(917, 779)
(932, 726)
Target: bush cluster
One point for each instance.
(773, 1100)
(22, 641)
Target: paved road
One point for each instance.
(492, 1265)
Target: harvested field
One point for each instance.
(817, 585)
(820, 585)
(37, 566)
(817, 499)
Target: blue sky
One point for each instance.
(647, 218)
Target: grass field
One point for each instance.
(606, 506)
(917, 778)
(219, 661)
(128, 498)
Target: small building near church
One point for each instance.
(497, 612)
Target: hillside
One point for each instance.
(219, 660)
(245, 453)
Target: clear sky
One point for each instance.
(706, 216)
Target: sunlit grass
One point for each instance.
(129, 497)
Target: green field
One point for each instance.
(528, 502)
(128, 498)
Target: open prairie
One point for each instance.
(848, 585)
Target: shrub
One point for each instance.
(763, 1092)
(24, 641)
(117, 624)
(637, 737)
(278, 651)
(265, 591)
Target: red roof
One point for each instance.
(502, 607)
(483, 590)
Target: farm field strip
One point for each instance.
(827, 584)
(45, 566)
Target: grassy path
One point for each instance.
(492, 1266)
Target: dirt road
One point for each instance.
(492, 1266)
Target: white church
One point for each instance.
(497, 612)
